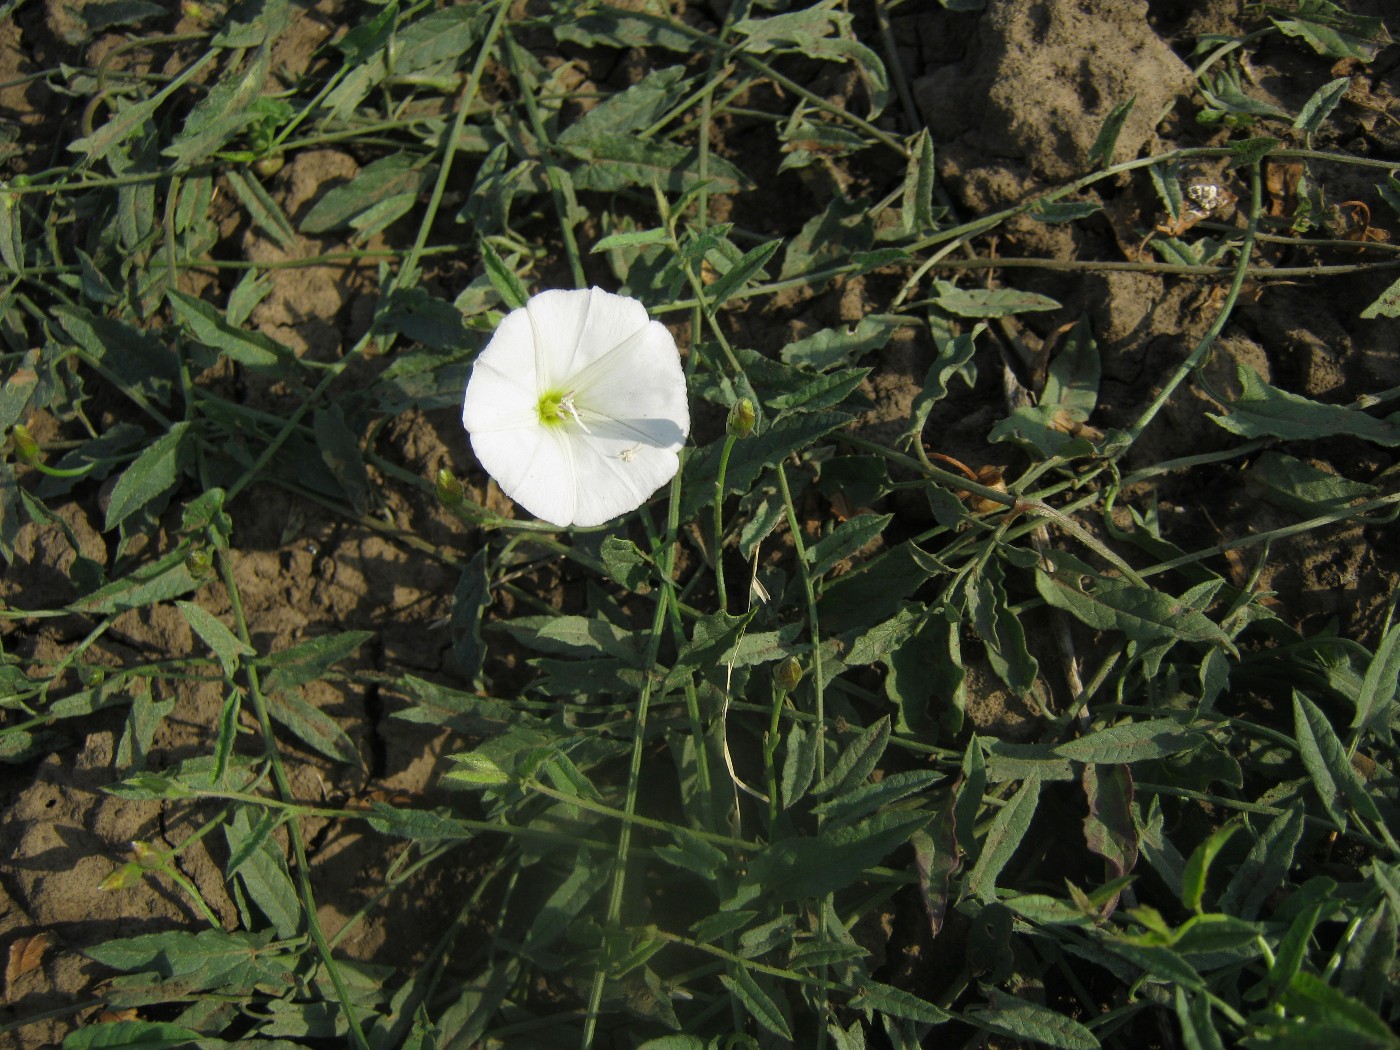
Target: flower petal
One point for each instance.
(641, 385)
(574, 328)
(502, 393)
(617, 472)
(534, 467)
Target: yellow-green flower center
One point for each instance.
(551, 408)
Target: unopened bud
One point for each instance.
(147, 856)
(741, 418)
(26, 448)
(199, 563)
(788, 674)
(125, 876)
(449, 490)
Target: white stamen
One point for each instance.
(567, 402)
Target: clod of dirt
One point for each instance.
(1041, 76)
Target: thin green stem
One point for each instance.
(408, 272)
(719, 523)
(560, 190)
(284, 789)
(666, 563)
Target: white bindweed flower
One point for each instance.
(577, 406)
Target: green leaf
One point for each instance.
(226, 645)
(877, 589)
(615, 162)
(1367, 962)
(152, 474)
(829, 238)
(954, 359)
(823, 391)
(149, 585)
(221, 113)
(1290, 484)
(1070, 394)
(857, 761)
(143, 361)
(132, 1035)
(313, 727)
(396, 175)
(1293, 949)
(508, 286)
(1387, 304)
(862, 800)
(1133, 742)
(756, 1001)
(988, 302)
(1019, 1019)
(1318, 1003)
(1334, 32)
(1101, 152)
(340, 451)
(808, 868)
(626, 563)
(1144, 615)
(895, 1002)
(1007, 830)
(717, 924)
(633, 110)
(263, 209)
(1193, 876)
(1051, 212)
(1198, 1030)
(839, 347)
(419, 825)
(1328, 764)
(752, 456)
(193, 962)
(576, 636)
(475, 770)
(739, 274)
(1000, 630)
(1251, 151)
(251, 349)
(799, 763)
(309, 661)
(1266, 411)
(1377, 696)
(1266, 866)
(847, 538)
(1159, 963)
(803, 30)
(633, 239)
(693, 854)
(1320, 106)
(617, 29)
(425, 319)
(1109, 830)
(886, 636)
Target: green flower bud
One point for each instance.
(147, 856)
(449, 490)
(123, 878)
(199, 563)
(741, 418)
(268, 166)
(788, 674)
(26, 448)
